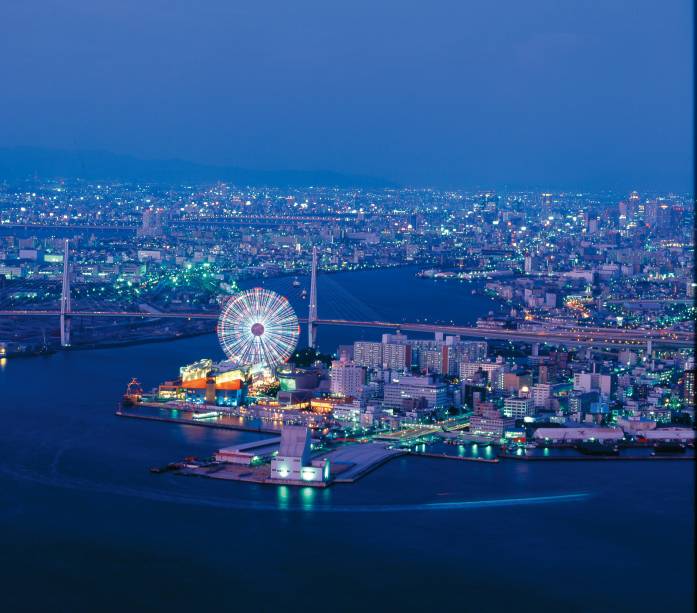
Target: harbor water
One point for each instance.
(84, 526)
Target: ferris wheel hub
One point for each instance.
(258, 329)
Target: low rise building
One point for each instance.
(578, 435)
(404, 392)
(488, 421)
(247, 453)
(518, 408)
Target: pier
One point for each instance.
(358, 460)
(348, 464)
(445, 456)
(224, 423)
(593, 458)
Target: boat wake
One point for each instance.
(158, 495)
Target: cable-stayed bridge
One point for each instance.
(350, 311)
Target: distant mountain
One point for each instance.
(26, 162)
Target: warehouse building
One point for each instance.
(578, 435)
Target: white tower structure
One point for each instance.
(65, 298)
(312, 311)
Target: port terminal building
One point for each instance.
(249, 453)
(293, 463)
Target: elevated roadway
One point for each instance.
(596, 337)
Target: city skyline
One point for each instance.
(380, 305)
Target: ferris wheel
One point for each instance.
(258, 327)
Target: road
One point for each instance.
(597, 337)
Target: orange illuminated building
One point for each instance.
(325, 406)
(204, 382)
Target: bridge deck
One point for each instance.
(577, 336)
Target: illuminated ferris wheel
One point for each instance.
(258, 327)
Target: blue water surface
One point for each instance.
(84, 526)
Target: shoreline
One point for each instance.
(194, 422)
(129, 343)
(602, 458)
(186, 335)
(243, 284)
(423, 454)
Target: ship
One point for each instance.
(597, 448)
(303, 294)
(296, 283)
(133, 393)
(168, 467)
(667, 447)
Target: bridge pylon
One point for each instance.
(65, 298)
(312, 307)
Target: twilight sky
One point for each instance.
(462, 93)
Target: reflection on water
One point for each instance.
(283, 494)
(326, 496)
(307, 496)
(194, 434)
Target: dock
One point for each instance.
(228, 425)
(348, 464)
(360, 459)
(408, 435)
(445, 456)
(595, 458)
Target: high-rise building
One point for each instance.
(623, 213)
(396, 356)
(468, 370)
(444, 354)
(664, 217)
(152, 222)
(394, 352)
(528, 264)
(458, 352)
(431, 360)
(580, 402)
(651, 213)
(689, 387)
(587, 382)
(346, 378)
(540, 394)
(368, 354)
(441, 355)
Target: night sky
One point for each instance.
(550, 93)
